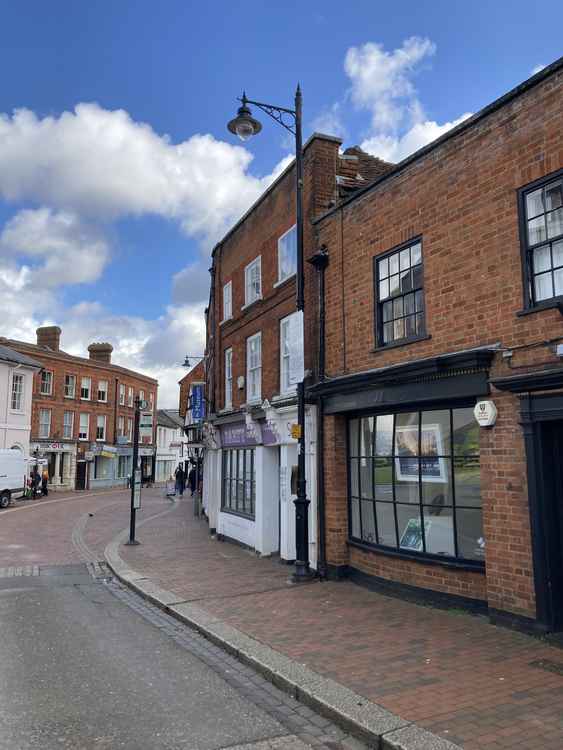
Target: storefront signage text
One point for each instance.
(485, 413)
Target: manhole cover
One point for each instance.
(549, 666)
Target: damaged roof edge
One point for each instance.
(514, 93)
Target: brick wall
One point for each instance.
(60, 365)
(461, 198)
(258, 234)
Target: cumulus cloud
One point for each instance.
(101, 164)
(57, 247)
(191, 284)
(330, 122)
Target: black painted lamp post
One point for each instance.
(245, 126)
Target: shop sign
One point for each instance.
(485, 412)
(52, 447)
(198, 403)
(236, 434)
(270, 433)
(89, 455)
(122, 440)
(146, 452)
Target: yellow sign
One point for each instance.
(296, 431)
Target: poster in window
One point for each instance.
(432, 465)
(411, 537)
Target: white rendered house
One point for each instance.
(169, 448)
(16, 388)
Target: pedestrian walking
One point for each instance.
(45, 482)
(191, 479)
(180, 480)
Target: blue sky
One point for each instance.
(101, 211)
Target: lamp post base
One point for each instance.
(303, 573)
(132, 542)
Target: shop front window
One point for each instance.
(414, 483)
(239, 482)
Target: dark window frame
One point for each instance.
(420, 556)
(232, 456)
(526, 250)
(378, 305)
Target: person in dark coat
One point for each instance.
(45, 482)
(191, 479)
(180, 480)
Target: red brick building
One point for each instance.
(83, 413)
(253, 337)
(444, 290)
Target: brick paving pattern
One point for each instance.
(451, 673)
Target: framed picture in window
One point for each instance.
(432, 463)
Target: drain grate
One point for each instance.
(549, 666)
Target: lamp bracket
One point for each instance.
(276, 113)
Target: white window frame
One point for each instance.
(281, 278)
(121, 394)
(17, 394)
(103, 390)
(253, 374)
(249, 295)
(130, 397)
(83, 434)
(101, 423)
(48, 380)
(83, 388)
(72, 380)
(42, 423)
(68, 434)
(229, 378)
(285, 358)
(151, 401)
(130, 429)
(227, 301)
(141, 395)
(121, 426)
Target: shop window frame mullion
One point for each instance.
(452, 467)
(393, 468)
(374, 436)
(420, 505)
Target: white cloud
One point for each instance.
(330, 122)
(536, 69)
(191, 284)
(103, 165)
(395, 148)
(58, 246)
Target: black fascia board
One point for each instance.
(440, 365)
(517, 91)
(542, 380)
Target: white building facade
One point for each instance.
(169, 444)
(16, 388)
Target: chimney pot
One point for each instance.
(101, 352)
(49, 337)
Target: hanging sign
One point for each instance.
(485, 412)
(198, 403)
(296, 351)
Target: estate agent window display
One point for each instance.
(414, 483)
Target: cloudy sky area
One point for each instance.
(117, 175)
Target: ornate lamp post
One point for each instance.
(245, 126)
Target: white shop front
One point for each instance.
(61, 461)
(258, 479)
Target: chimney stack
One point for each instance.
(49, 336)
(101, 352)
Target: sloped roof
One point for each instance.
(11, 355)
(169, 418)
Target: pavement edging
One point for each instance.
(356, 714)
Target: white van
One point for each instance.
(13, 474)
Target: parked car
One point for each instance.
(13, 474)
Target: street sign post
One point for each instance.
(137, 490)
(135, 474)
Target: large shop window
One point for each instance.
(239, 481)
(414, 483)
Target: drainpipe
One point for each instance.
(320, 262)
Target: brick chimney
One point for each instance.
(49, 336)
(101, 352)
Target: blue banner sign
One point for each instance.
(198, 403)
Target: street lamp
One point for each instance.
(245, 126)
(187, 362)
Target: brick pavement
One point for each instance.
(454, 674)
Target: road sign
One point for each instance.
(296, 431)
(145, 426)
(296, 353)
(137, 490)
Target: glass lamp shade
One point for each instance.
(244, 125)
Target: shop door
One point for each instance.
(553, 503)
(288, 493)
(81, 475)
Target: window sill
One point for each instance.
(249, 304)
(281, 282)
(420, 557)
(83, 398)
(227, 320)
(551, 304)
(239, 515)
(71, 397)
(402, 342)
